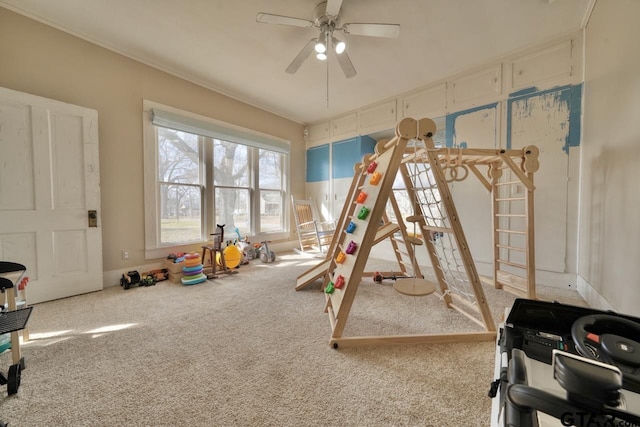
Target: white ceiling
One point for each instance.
(219, 45)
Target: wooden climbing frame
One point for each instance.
(427, 172)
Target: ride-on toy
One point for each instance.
(266, 255)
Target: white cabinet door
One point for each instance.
(344, 126)
(319, 134)
(378, 117)
(49, 181)
(477, 128)
(340, 189)
(319, 192)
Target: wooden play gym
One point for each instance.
(427, 172)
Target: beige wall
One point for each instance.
(43, 61)
(609, 241)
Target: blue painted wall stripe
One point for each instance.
(318, 163)
(575, 116)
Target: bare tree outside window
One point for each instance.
(232, 181)
(179, 186)
(247, 190)
(271, 194)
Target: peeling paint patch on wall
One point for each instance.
(552, 114)
(475, 127)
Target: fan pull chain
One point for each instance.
(327, 61)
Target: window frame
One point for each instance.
(153, 248)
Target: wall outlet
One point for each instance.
(125, 254)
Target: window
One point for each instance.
(271, 187)
(180, 187)
(200, 173)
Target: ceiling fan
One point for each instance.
(327, 20)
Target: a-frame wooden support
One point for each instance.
(344, 272)
(396, 233)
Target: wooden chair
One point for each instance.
(312, 232)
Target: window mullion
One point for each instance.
(254, 191)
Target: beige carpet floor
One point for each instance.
(248, 350)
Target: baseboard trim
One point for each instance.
(593, 297)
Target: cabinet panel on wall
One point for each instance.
(552, 63)
(378, 117)
(344, 127)
(425, 103)
(475, 89)
(319, 133)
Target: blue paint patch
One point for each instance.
(569, 96)
(463, 144)
(522, 92)
(450, 129)
(450, 122)
(575, 116)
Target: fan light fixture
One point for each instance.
(338, 45)
(320, 47)
(326, 20)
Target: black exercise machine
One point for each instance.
(579, 366)
(12, 320)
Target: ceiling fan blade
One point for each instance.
(268, 18)
(375, 30)
(346, 65)
(301, 57)
(333, 7)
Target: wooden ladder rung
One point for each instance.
(508, 199)
(405, 263)
(512, 281)
(511, 248)
(398, 251)
(511, 215)
(509, 183)
(414, 218)
(512, 264)
(498, 230)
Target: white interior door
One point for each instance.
(49, 181)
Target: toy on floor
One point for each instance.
(266, 255)
(192, 272)
(218, 256)
(378, 277)
(232, 256)
(158, 275)
(133, 278)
